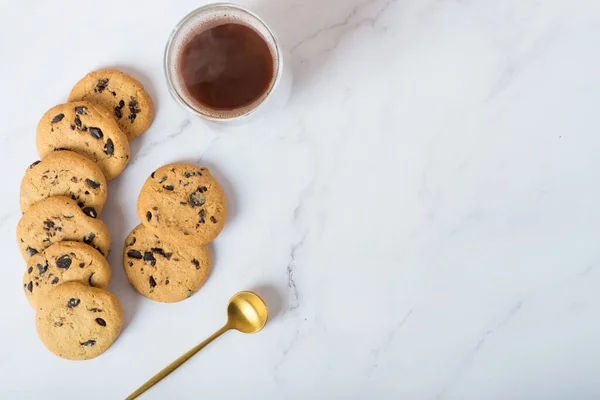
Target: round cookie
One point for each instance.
(184, 203)
(161, 270)
(79, 322)
(64, 262)
(56, 219)
(122, 95)
(85, 129)
(65, 173)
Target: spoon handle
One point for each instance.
(176, 364)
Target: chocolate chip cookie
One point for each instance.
(184, 203)
(124, 96)
(79, 322)
(161, 270)
(56, 219)
(64, 262)
(65, 173)
(86, 129)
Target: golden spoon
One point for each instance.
(246, 312)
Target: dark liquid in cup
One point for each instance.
(226, 67)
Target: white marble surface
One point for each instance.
(422, 217)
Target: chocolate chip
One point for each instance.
(187, 174)
(90, 212)
(49, 224)
(54, 281)
(202, 189)
(90, 279)
(73, 302)
(72, 128)
(196, 263)
(164, 178)
(196, 198)
(74, 180)
(134, 254)
(133, 109)
(152, 282)
(29, 270)
(133, 104)
(158, 251)
(92, 184)
(64, 262)
(101, 85)
(131, 242)
(95, 309)
(58, 118)
(96, 133)
(81, 110)
(149, 257)
(109, 147)
(89, 343)
(119, 108)
(80, 204)
(81, 265)
(130, 263)
(152, 174)
(42, 268)
(101, 322)
(148, 216)
(166, 282)
(30, 286)
(168, 187)
(161, 252)
(34, 164)
(30, 251)
(114, 94)
(89, 238)
(213, 220)
(78, 122)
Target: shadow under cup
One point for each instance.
(202, 20)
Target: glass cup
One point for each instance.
(208, 17)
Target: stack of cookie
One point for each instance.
(82, 144)
(182, 207)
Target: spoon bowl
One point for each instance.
(246, 312)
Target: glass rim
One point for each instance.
(166, 58)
